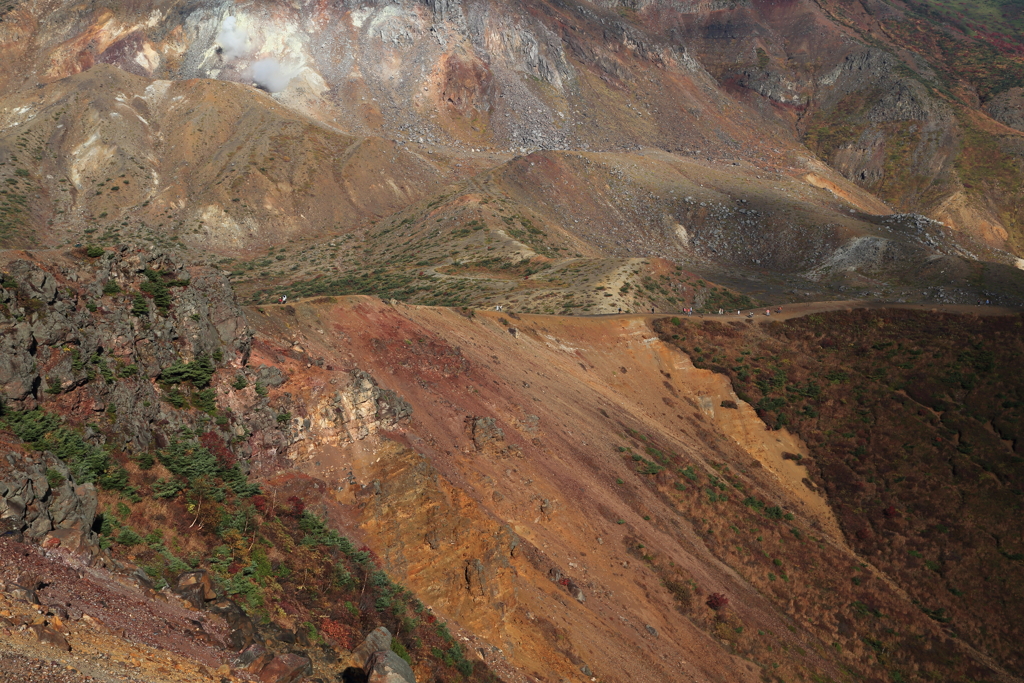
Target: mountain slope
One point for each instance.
(399, 100)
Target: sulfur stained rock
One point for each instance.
(457, 557)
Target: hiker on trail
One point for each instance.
(720, 311)
(620, 309)
(284, 299)
(738, 313)
(779, 309)
(767, 311)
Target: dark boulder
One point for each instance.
(243, 633)
(378, 639)
(286, 668)
(196, 587)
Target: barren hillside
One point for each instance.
(620, 132)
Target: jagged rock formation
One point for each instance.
(113, 408)
(39, 500)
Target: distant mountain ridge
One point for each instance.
(142, 122)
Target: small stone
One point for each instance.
(50, 636)
(24, 594)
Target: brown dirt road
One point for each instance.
(790, 311)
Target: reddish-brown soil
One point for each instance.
(619, 473)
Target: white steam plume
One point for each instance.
(233, 40)
(271, 74)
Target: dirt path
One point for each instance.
(800, 310)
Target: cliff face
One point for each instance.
(134, 432)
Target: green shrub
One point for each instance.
(399, 649)
(128, 537)
(145, 460)
(205, 400)
(196, 466)
(648, 467)
(111, 287)
(93, 251)
(175, 398)
(342, 577)
(54, 478)
(240, 382)
(199, 372)
(754, 503)
(106, 373)
(140, 307)
(45, 432)
(126, 371)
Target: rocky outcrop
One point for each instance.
(351, 414)
(458, 558)
(489, 439)
(196, 587)
(50, 636)
(379, 663)
(377, 640)
(38, 499)
(1008, 108)
(387, 667)
(105, 328)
